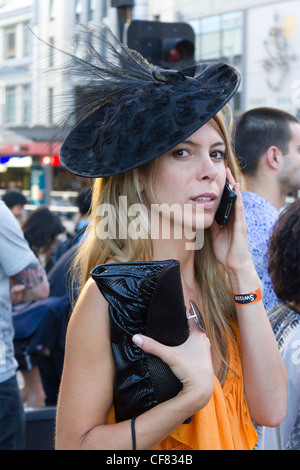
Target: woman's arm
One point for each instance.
(87, 383)
(264, 372)
(265, 376)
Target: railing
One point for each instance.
(64, 206)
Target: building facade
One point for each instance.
(15, 60)
(260, 37)
(33, 85)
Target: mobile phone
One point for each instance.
(226, 205)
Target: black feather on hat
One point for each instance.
(132, 112)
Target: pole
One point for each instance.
(124, 16)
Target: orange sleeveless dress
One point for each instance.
(223, 424)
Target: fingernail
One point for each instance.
(137, 339)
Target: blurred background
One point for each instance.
(260, 38)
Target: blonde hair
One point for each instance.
(217, 305)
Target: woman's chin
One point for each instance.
(204, 222)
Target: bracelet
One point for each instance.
(133, 433)
(250, 298)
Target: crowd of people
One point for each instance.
(238, 366)
(35, 305)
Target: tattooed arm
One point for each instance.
(30, 284)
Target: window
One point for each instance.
(104, 9)
(210, 46)
(78, 10)
(79, 47)
(50, 97)
(10, 42)
(232, 35)
(26, 39)
(91, 10)
(2, 92)
(26, 104)
(220, 37)
(53, 9)
(51, 53)
(10, 106)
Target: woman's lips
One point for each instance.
(208, 200)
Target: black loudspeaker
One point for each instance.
(122, 3)
(40, 428)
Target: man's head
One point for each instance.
(15, 201)
(269, 139)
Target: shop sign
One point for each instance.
(37, 185)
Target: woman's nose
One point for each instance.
(206, 169)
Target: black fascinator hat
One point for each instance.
(132, 111)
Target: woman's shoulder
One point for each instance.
(90, 293)
(90, 310)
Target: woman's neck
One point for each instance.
(172, 249)
(176, 249)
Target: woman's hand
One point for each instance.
(230, 242)
(191, 363)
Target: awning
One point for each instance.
(30, 148)
(37, 140)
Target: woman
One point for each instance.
(284, 255)
(41, 229)
(162, 137)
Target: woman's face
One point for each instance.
(190, 177)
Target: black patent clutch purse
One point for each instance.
(145, 298)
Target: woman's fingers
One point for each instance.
(151, 346)
(180, 358)
(191, 362)
(144, 342)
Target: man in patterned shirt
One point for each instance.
(267, 145)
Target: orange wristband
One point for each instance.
(250, 298)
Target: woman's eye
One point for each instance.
(181, 153)
(218, 155)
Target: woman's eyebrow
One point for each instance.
(217, 144)
(195, 144)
